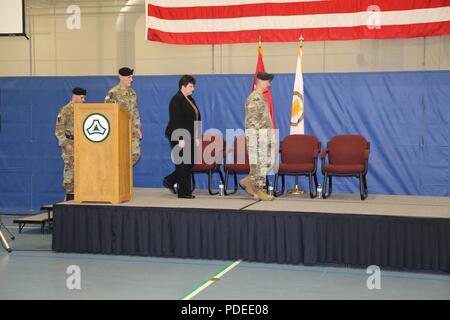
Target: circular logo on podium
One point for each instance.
(96, 127)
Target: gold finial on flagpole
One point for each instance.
(260, 41)
(300, 45)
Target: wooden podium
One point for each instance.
(103, 170)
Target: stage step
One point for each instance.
(40, 218)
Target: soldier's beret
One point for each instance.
(79, 91)
(264, 76)
(125, 71)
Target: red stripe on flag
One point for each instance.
(291, 35)
(284, 9)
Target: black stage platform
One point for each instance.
(407, 232)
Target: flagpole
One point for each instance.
(301, 46)
(260, 45)
(296, 189)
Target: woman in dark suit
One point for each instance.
(183, 114)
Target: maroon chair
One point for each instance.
(211, 160)
(239, 164)
(348, 155)
(299, 153)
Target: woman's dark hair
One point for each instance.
(185, 80)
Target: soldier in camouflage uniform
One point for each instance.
(124, 95)
(260, 138)
(64, 134)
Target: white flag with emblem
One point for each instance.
(297, 113)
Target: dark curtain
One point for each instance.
(271, 237)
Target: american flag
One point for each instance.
(240, 21)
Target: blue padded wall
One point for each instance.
(404, 115)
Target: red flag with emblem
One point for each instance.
(260, 67)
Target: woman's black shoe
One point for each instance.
(169, 186)
(186, 196)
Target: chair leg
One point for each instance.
(362, 187)
(283, 186)
(315, 182)
(221, 177)
(275, 186)
(210, 183)
(366, 192)
(311, 193)
(193, 182)
(330, 187)
(227, 175)
(225, 187)
(324, 188)
(235, 183)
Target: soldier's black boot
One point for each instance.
(69, 196)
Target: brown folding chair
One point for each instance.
(348, 155)
(299, 153)
(211, 160)
(239, 164)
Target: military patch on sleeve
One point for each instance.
(59, 117)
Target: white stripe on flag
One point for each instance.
(404, 17)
